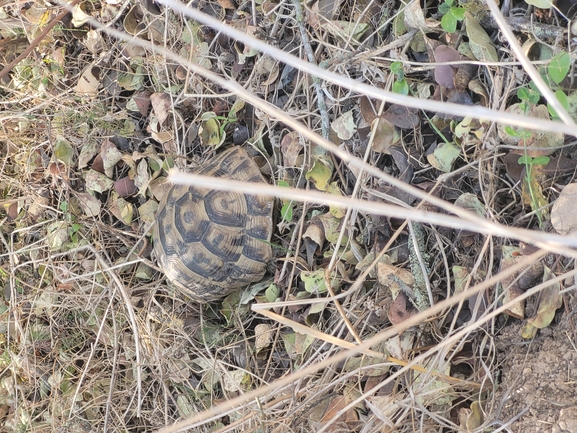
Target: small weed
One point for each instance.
(529, 163)
(451, 15)
(554, 74)
(400, 85)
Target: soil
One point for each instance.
(538, 384)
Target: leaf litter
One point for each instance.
(93, 126)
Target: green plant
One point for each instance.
(557, 70)
(528, 96)
(521, 134)
(212, 128)
(400, 85)
(554, 74)
(530, 162)
(451, 15)
(287, 205)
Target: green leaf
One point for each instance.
(314, 281)
(529, 94)
(63, 151)
(444, 8)
(211, 133)
(401, 87)
(287, 205)
(562, 97)
(236, 107)
(397, 68)
(541, 160)
(286, 212)
(509, 130)
(449, 23)
(525, 159)
(272, 293)
(458, 13)
(559, 67)
(523, 94)
(520, 133)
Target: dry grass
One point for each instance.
(95, 340)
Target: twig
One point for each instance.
(36, 41)
(321, 103)
(522, 24)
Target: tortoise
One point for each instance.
(209, 242)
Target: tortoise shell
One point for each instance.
(210, 242)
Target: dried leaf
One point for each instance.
(319, 174)
(57, 234)
(479, 41)
(89, 81)
(471, 419)
(227, 4)
(444, 74)
(514, 286)
(564, 212)
(210, 131)
(478, 88)
(161, 106)
(357, 362)
(532, 191)
(335, 211)
(79, 16)
(345, 126)
(429, 390)
(89, 149)
(384, 407)
(402, 117)
(347, 30)
(541, 4)
(549, 301)
(147, 211)
(139, 103)
(414, 17)
(368, 109)
(384, 273)
(331, 227)
(125, 187)
(122, 210)
(133, 21)
(444, 156)
(97, 182)
(89, 204)
(263, 336)
(236, 380)
(314, 238)
(401, 309)
(335, 406)
(110, 156)
(471, 203)
(385, 135)
(142, 178)
(13, 210)
(291, 147)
